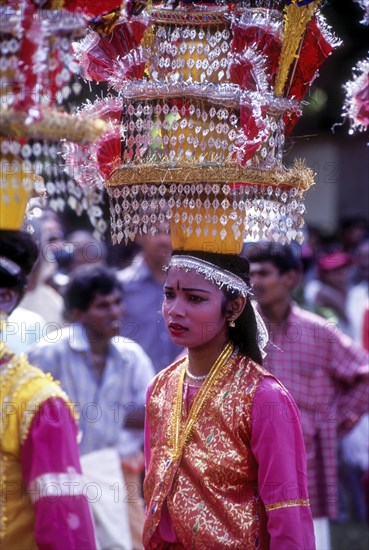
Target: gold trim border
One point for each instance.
(287, 504)
(299, 176)
(212, 15)
(53, 126)
(169, 16)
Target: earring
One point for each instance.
(3, 320)
(231, 323)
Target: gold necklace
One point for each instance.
(178, 440)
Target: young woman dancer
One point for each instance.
(224, 448)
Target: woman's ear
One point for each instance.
(235, 308)
(9, 298)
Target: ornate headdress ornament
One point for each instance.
(221, 277)
(204, 95)
(9, 266)
(38, 75)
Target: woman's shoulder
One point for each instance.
(272, 391)
(254, 368)
(166, 373)
(268, 383)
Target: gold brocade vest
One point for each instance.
(211, 492)
(23, 389)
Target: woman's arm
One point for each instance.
(52, 475)
(278, 446)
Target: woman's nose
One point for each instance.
(176, 307)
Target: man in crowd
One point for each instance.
(106, 376)
(43, 500)
(325, 371)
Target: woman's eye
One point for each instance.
(168, 295)
(196, 299)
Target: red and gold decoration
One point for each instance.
(38, 75)
(202, 98)
(356, 105)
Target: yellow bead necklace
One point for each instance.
(178, 440)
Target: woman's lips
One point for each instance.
(176, 329)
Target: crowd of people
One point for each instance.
(99, 330)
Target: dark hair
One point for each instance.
(244, 334)
(351, 221)
(20, 248)
(87, 281)
(281, 256)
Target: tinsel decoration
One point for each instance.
(206, 93)
(39, 78)
(296, 17)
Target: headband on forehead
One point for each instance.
(211, 272)
(10, 267)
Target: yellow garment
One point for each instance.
(23, 389)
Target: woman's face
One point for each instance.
(192, 309)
